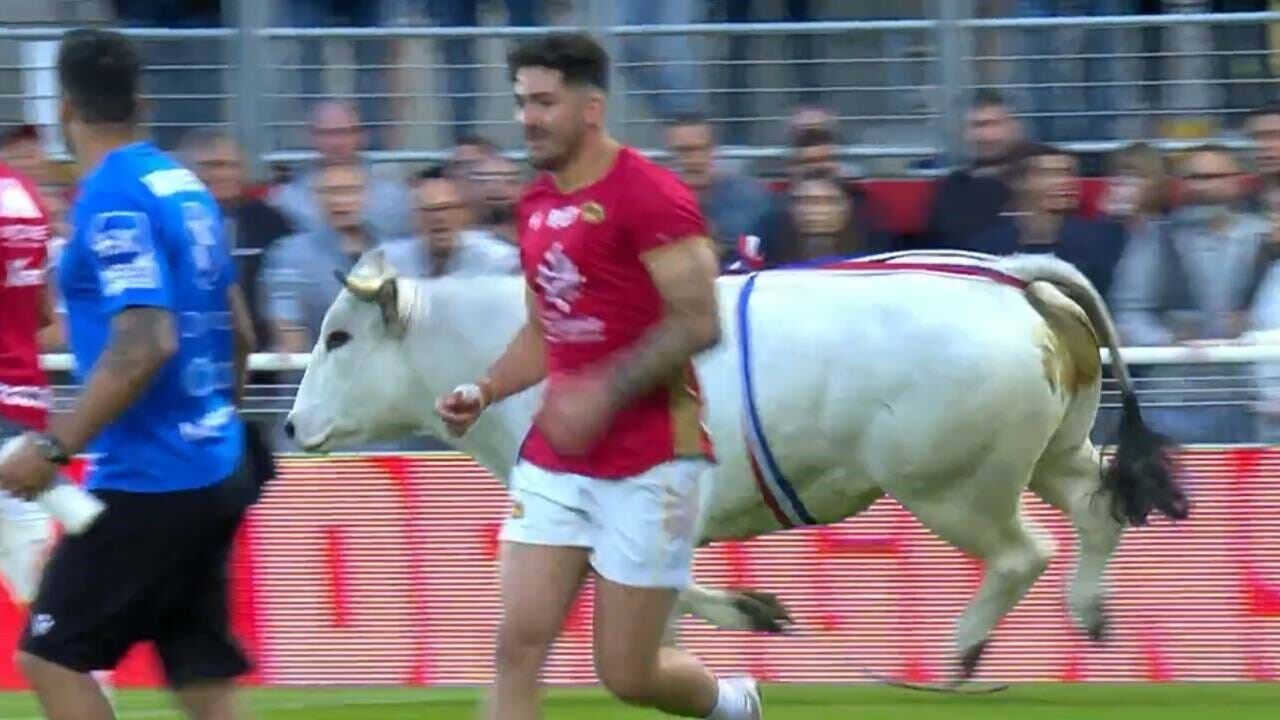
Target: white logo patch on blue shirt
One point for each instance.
(122, 242)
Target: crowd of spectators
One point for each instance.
(1182, 245)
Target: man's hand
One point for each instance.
(461, 408)
(23, 470)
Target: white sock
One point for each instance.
(732, 702)
(103, 678)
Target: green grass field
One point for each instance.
(1022, 702)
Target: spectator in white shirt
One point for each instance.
(443, 245)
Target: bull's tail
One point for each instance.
(1140, 478)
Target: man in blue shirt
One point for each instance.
(160, 334)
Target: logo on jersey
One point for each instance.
(561, 218)
(204, 243)
(593, 212)
(126, 256)
(559, 278)
(16, 202)
(535, 221)
(25, 236)
(19, 273)
(164, 183)
(561, 284)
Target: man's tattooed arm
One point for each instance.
(685, 274)
(142, 340)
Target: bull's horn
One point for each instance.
(365, 288)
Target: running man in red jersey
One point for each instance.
(26, 315)
(621, 277)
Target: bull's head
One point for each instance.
(360, 385)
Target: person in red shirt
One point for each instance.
(621, 294)
(27, 322)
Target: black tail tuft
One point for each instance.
(1141, 477)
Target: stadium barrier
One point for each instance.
(380, 569)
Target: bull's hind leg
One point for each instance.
(983, 518)
(1071, 482)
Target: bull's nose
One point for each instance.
(288, 429)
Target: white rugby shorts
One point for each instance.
(640, 530)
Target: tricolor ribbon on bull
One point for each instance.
(777, 492)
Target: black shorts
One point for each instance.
(154, 567)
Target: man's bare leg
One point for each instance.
(65, 694)
(629, 625)
(214, 700)
(538, 585)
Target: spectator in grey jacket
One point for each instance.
(298, 277)
(732, 204)
(443, 245)
(1192, 281)
(339, 138)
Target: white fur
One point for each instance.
(930, 390)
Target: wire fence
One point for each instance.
(1088, 82)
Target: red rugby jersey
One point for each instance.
(25, 397)
(580, 252)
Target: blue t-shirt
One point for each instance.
(147, 233)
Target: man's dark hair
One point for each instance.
(814, 137)
(101, 73)
(20, 133)
(986, 98)
(578, 57)
(1271, 108)
(431, 172)
(477, 140)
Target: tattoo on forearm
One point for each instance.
(141, 338)
(657, 357)
(689, 326)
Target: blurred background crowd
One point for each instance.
(1145, 150)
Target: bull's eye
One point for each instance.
(336, 339)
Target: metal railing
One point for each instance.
(1235, 389)
(1089, 82)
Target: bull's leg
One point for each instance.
(1071, 483)
(984, 519)
(734, 609)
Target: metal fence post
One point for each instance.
(955, 50)
(250, 115)
(600, 19)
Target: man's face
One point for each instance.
(814, 158)
(693, 149)
(1212, 179)
(1264, 130)
(1053, 183)
(336, 134)
(220, 169)
(341, 189)
(555, 117)
(497, 182)
(990, 133)
(442, 214)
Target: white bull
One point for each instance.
(951, 394)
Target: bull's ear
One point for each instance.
(388, 298)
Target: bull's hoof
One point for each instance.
(764, 611)
(969, 661)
